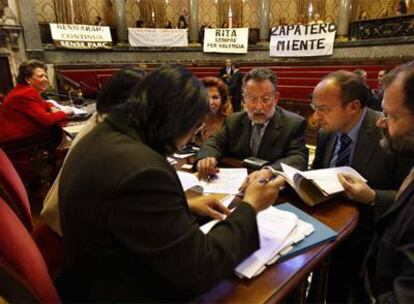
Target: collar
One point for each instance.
(353, 133)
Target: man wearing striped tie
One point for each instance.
(389, 264)
(349, 137)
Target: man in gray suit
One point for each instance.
(263, 130)
(350, 137)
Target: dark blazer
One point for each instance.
(223, 72)
(129, 235)
(390, 259)
(384, 172)
(282, 141)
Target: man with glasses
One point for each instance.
(389, 265)
(263, 130)
(349, 137)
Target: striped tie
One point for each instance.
(344, 151)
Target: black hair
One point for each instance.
(26, 70)
(168, 103)
(351, 87)
(261, 74)
(118, 88)
(407, 70)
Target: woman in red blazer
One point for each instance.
(24, 112)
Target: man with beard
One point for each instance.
(389, 265)
(349, 137)
(263, 130)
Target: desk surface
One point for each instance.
(280, 279)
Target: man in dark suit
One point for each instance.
(350, 137)
(263, 130)
(227, 71)
(389, 265)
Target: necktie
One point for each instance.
(344, 151)
(256, 138)
(407, 181)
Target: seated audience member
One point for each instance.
(116, 91)
(24, 112)
(263, 130)
(168, 24)
(349, 137)
(389, 264)
(227, 71)
(316, 19)
(372, 101)
(225, 24)
(129, 230)
(139, 23)
(220, 108)
(235, 88)
(183, 19)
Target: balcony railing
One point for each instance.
(398, 26)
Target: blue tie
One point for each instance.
(344, 151)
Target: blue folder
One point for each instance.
(321, 234)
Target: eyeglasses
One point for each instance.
(388, 117)
(265, 99)
(323, 109)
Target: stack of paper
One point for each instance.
(278, 231)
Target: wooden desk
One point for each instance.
(280, 279)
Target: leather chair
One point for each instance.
(24, 275)
(15, 196)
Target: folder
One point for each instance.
(321, 234)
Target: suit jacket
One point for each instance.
(383, 171)
(282, 141)
(390, 259)
(223, 72)
(24, 113)
(129, 235)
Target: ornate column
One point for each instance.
(264, 20)
(121, 28)
(194, 26)
(28, 20)
(344, 15)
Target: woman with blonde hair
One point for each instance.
(220, 108)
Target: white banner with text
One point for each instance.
(226, 40)
(149, 37)
(302, 40)
(80, 36)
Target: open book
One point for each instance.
(226, 181)
(315, 186)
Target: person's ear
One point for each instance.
(276, 98)
(356, 105)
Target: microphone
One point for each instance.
(48, 94)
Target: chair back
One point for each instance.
(13, 191)
(23, 271)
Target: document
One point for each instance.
(225, 181)
(279, 230)
(315, 186)
(61, 107)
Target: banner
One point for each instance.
(148, 37)
(80, 36)
(226, 40)
(302, 40)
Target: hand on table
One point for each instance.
(208, 206)
(207, 167)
